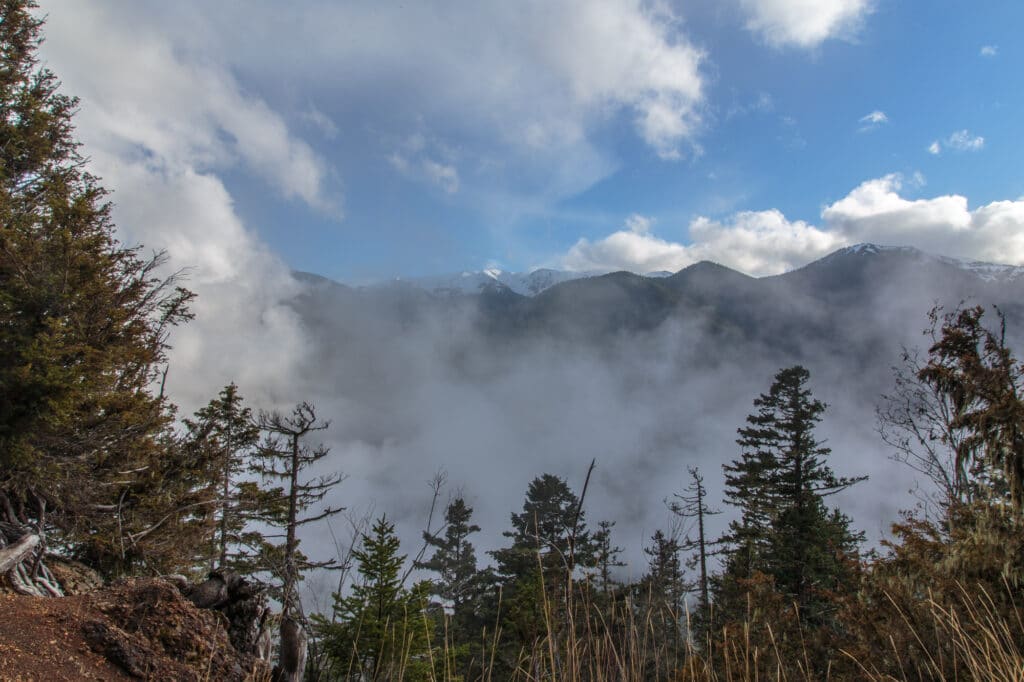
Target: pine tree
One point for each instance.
(552, 524)
(535, 573)
(381, 630)
(454, 559)
(606, 557)
(85, 446)
(660, 596)
(779, 484)
(223, 435)
(972, 367)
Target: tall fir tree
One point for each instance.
(534, 574)
(779, 484)
(223, 436)
(85, 448)
(454, 559)
(381, 630)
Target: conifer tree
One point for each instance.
(551, 524)
(974, 369)
(285, 456)
(85, 447)
(381, 630)
(454, 559)
(779, 485)
(549, 539)
(224, 436)
(606, 556)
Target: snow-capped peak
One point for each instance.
(989, 272)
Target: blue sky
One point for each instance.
(364, 140)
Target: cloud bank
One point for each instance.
(163, 129)
(766, 242)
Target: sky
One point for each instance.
(365, 140)
(368, 140)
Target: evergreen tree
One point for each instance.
(223, 435)
(606, 557)
(551, 525)
(454, 560)
(779, 484)
(664, 585)
(85, 447)
(535, 573)
(381, 630)
(976, 373)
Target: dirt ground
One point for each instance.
(137, 629)
(42, 640)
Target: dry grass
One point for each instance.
(622, 644)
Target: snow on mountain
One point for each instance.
(475, 282)
(989, 272)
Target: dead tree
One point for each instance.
(284, 456)
(691, 505)
(23, 548)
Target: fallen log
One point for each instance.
(13, 555)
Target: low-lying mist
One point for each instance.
(415, 385)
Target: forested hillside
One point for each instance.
(100, 470)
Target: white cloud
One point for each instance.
(989, 50)
(873, 120)
(766, 242)
(964, 141)
(160, 128)
(321, 121)
(417, 157)
(526, 76)
(639, 224)
(804, 23)
(934, 147)
(875, 212)
(444, 176)
(187, 111)
(755, 242)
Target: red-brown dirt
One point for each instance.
(135, 629)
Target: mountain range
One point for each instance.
(647, 374)
(809, 302)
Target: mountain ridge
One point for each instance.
(535, 282)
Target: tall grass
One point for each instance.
(584, 642)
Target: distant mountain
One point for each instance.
(475, 282)
(494, 378)
(857, 291)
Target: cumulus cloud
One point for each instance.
(161, 129)
(766, 242)
(875, 212)
(804, 23)
(639, 224)
(755, 242)
(523, 77)
(963, 140)
(989, 50)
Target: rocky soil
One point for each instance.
(134, 629)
